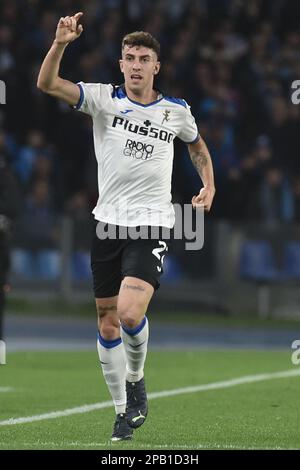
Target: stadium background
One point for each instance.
(234, 62)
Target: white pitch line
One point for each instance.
(166, 393)
(58, 414)
(6, 389)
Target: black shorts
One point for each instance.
(113, 259)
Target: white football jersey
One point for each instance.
(134, 150)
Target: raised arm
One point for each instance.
(202, 162)
(48, 80)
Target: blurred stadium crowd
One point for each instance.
(232, 60)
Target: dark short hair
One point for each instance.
(141, 38)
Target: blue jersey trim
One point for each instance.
(81, 97)
(145, 105)
(176, 100)
(194, 141)
(109, 344)
(120, 92)
(137, 329)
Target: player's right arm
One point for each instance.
(48, 80)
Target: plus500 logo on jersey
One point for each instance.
(138, 150)
(143, 130)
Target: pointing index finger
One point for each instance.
(78, 15)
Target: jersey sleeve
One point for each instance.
(92, 98)
(189, 130)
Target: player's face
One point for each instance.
(139, 65)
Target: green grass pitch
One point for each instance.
(263, 415)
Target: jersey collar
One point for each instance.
(159, 97)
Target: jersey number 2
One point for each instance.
(157, 252)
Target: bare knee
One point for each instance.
(109, 332)
(134, 297)
(108, 322)
(130, 318)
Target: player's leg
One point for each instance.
(111, 351)
(141, 268)
(113, 362)
(134, 297)
(106, 269)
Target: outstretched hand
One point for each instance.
(68, 29)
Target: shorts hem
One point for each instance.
(144, 277)
(105, 295)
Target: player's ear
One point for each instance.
(121, 65)
(156, 68)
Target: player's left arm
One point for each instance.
(202, 162)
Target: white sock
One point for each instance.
(113, 362)
(135, 342)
